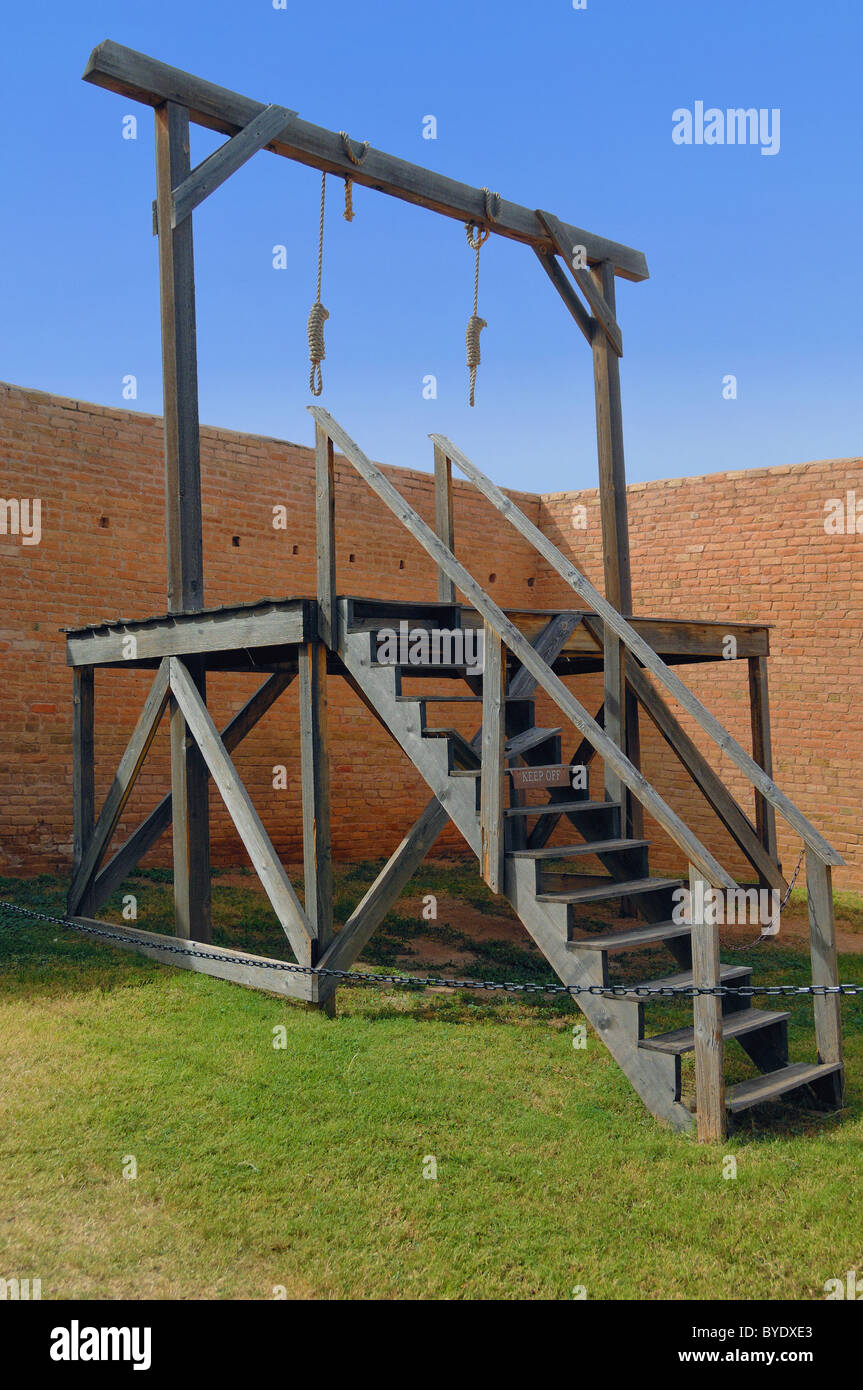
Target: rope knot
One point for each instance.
(475, 325)
(318, 316)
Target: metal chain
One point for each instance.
(356, 977)
(765, 930)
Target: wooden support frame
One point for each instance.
(130, 765)
(145, 79)
(130, 854)
(268, 866)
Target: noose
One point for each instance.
(477, 236)
(357, 159)
(318, 315)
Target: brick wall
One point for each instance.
(741, 546)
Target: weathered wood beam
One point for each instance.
(212, 172)
(315, 778)
(491, 778)
(267, 864)
(183, 510)
(639, 648)
(612, 469)
(222, 962)
(83, 771)
(188, 634)
(825, 967)
(603, 311)
(551, 266)
(443, 518)
(145, 79)
(130, 854)
(707, 1019)
(762, 751)
(121, 787)
(386, 889)
(325, 531)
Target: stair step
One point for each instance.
(529, 739)
(610, 888)
(556, 808)
(642, 935)
(733, 1026)
(728, 974)
(587, 847)
(776, 1083)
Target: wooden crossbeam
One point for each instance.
(133, 850)
(268, 866)
(121, 787)
(603, 312)
(145, 79)
(212, 172)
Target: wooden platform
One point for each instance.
(264, 636)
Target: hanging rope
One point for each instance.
(318, 315)
(477, 236)
(357, 159)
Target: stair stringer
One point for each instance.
(655, 1076)
(615, 1020)
(378, 687)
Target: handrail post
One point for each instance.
(614, 701)
(707, 1018)
(443, 519)
(822, 946)
(762, 753)
(492, 769)
(325, 526)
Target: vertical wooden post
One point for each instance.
(615, 539)
(825, 968)
(613, 656)
(492, 774)
(83, 772)
(325, 516)
(707, 1019)
(189, 780)
(315, 765)
(759, 713)
(443, 518)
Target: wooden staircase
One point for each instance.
(547, 886)
(507, 819)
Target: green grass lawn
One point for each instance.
(303, 1167)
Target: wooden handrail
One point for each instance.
(645, 654)
(698, 854)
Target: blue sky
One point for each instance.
(755, 260)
